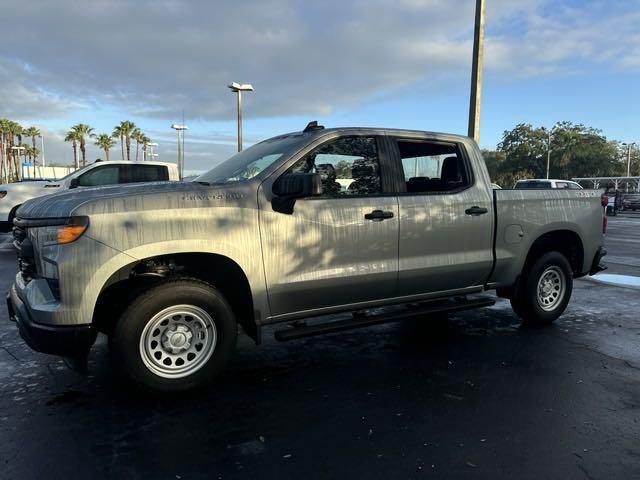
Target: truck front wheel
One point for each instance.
(544, 289)
(176, 336)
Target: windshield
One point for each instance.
(250, 162)
(72, 173)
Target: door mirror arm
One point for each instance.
(74, 183)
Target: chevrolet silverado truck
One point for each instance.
(314, 230)
(12, 195)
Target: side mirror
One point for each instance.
(74, 183)
(292, 186)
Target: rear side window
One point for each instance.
(347, 166)
(432, 166)
(143, 173)
(104, 175)
(149, 173)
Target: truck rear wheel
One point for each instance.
(544, 290)
(177, 335)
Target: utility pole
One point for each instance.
(548, 153)
(476, 73)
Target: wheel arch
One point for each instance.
(220, 271)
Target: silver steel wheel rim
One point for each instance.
(551, 288)
(178, 341)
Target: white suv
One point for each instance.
(545, 183)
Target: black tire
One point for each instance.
(216, 328)
(526, 302)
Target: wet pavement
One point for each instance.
(475, 397)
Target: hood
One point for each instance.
(130, 197)
(34, 185)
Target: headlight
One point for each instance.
(61, 234)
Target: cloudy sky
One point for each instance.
(400, 63)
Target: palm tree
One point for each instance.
(31, 152)
(73, 137)
(32, 132)
(15, 132)
(136, 134)
(145, 141)
(83, 130)
(125, 131)
(105, 142)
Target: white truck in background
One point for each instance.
(12, 195)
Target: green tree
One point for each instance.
(125, 130)
(83, 132)
(73, 138)
(32, 132)
(105, 142)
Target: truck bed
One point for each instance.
(523, 216)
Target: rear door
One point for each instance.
(340, 248)
(446, 217)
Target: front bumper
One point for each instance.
(67, 341)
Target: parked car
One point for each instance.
(546, 183)
(169, 270)
(631, 201)
(12, 195)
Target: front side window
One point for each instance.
(347, 166)
(432, 166)
(107, 175)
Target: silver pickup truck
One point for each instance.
(313, 229)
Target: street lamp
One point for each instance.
(179, 129)
(550, 132)
(42, 148)
(628, 145)
(238, 88)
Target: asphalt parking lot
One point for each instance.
(475, 397)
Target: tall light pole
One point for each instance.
(179, 128)
(42, 148)
(550, 132)
(476, 73)
(238, 88)
(628, 145)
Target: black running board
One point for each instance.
(360, 321)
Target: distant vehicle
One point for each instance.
(537, 184)
(631, 201)
(12, 195)
(614, 202)
(169, 270)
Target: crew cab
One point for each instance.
(323, 221)
(12, 195)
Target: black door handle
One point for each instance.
(378, 215)
(476, 211)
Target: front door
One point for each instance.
(340, 248)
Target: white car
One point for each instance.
(545, 183)
(12, 195)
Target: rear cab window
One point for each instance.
(433, 166)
